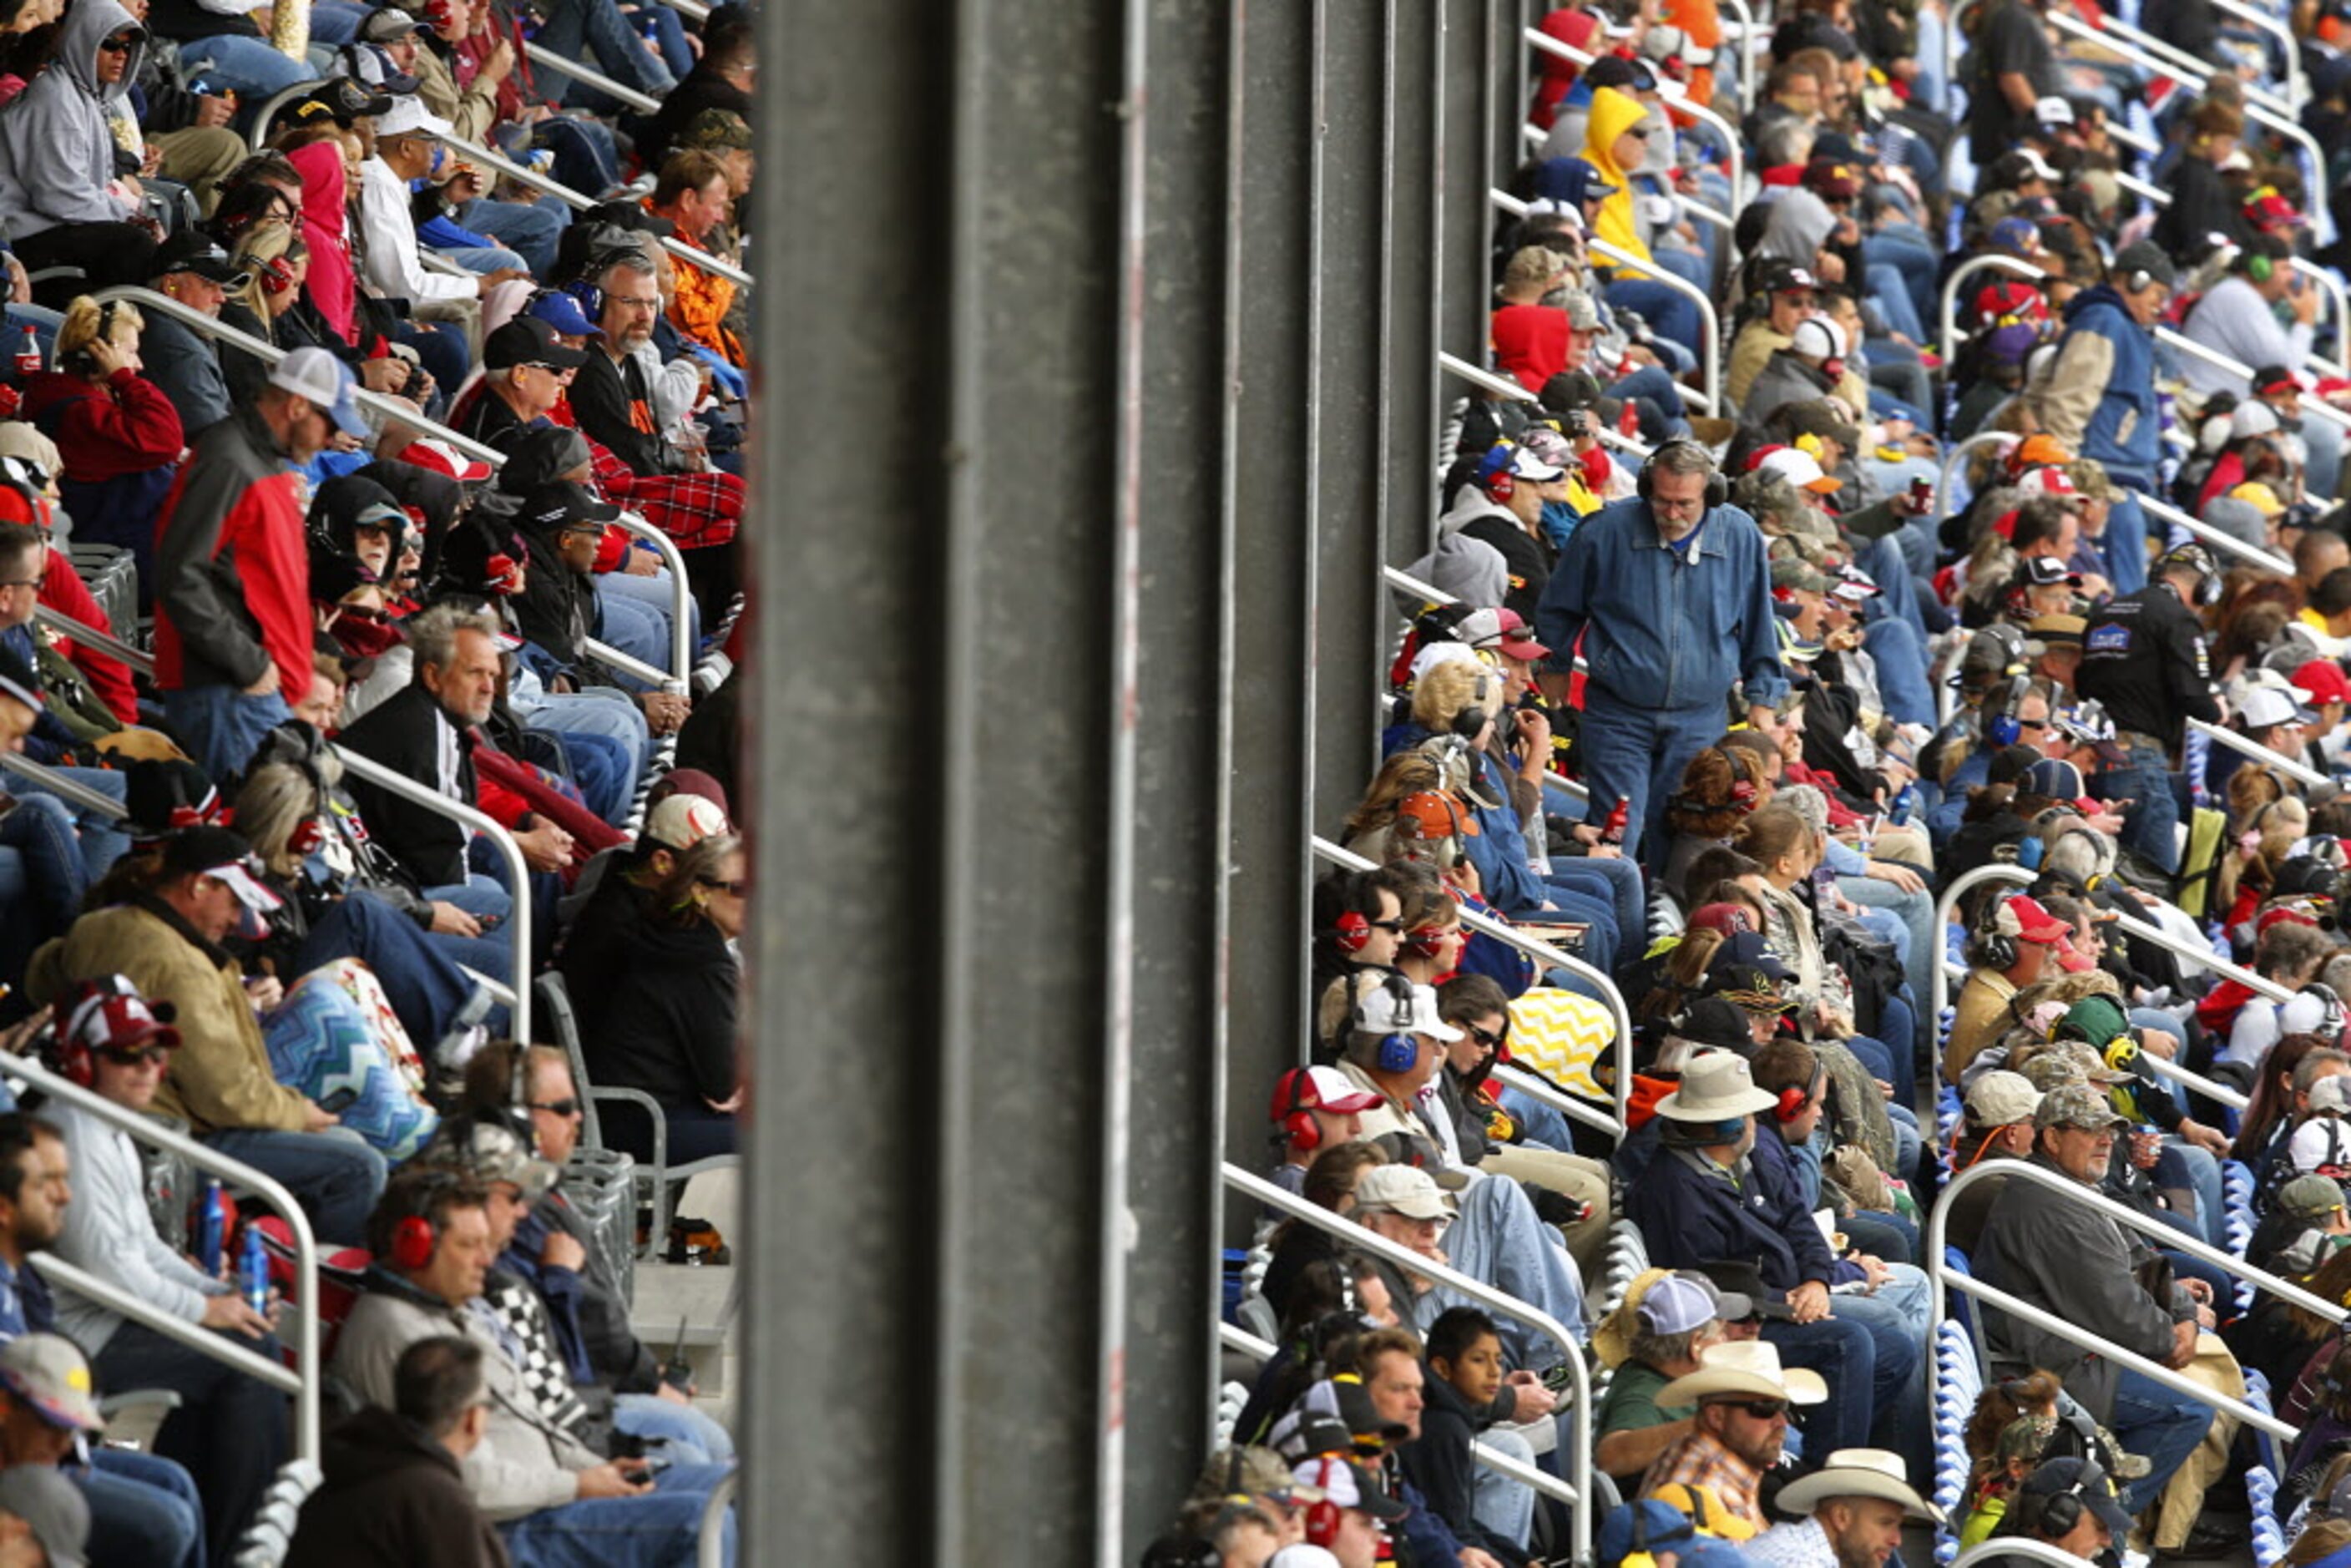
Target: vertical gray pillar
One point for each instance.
(1410, 218)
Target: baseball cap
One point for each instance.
(528, 340)
(48, 1372)
(2024, 917)
(1525, 464)
(1677, 1305)
(1348, 1485)
(1431, 814)
(2275, 380)
(2259, 497)
(1798, 576)
(1819, 416)
(2037, 452)
(1832, 180)
(387, 23)
(2310, 1197)
(2053, 110)
(110, 1014)
(2056, 1475)
(219, 853)
(1818, 338)
(53, 1506)
(2323, 681)
(339, 99)
(409, 117)
(2145, 255)
(563, 312)
(326, 383)
(2050, 777)
(445, 460)
(1388, 1012)
(2001, 1099)
(715, 130)
(2267, 705)
(2050, 481)
(18, 680)
(1574, 180)
(683, 820)
(564, 504)
(2075, 1106)
(1787, 277)
(1406, 1189)
(489, 1151)
(190, 250)
(2047, 571)
(1503, 629)
(1799, 468)
(371, 63)
(1314, 1089)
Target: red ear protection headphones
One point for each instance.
(1323, 1517)
(1351, 933)
(1426, 942)
(307, 838)
(277, 275)
(1494, 476)
(1791, 1105)
(412, 1241)
(1298, 1124)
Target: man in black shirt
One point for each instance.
(2015, 70)
(2143, 656)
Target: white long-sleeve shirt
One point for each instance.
(109, 1232)
(2234, 320)
(392, 265)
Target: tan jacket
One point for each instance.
(1980, 1019)
(470, 114)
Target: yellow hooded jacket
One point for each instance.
(1613, 114)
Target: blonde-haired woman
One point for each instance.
(118, 435)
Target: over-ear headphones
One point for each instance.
(1494, 476)
(1427, 941)
(2063, 1511)
(1718, 488)
(2000, 719)
(1323, 1515)
(591, 298)
(1399, 1049)
(1298, 1125)
(1352, 932)
(1472, 720)
(2331, 1016)
(2196, 558)
(276, 275)
(2258, 268)
(1791, 1105)
(81, 359)
(1997, 949)
(414, 1237)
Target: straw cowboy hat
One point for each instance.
(1716, 1086)
(1858, 1472)
(1748, 1367)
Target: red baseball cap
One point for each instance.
(2024, 918)
(2324, 681)
(1503, 629)
(1318, 1089)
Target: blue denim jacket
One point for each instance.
(1664, 630)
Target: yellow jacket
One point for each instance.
(1613, 114)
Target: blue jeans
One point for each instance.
(335, 1176)
(229, 1431)
(40, 829)
(1639, 754)
(586, 157)
(2150, 826)
(653, 1531)
(2163, 1427)
(2123, 544)
(1844, 1352)
(104, 841)
(653, 592)
(249, 64)
(220, 725)
(1542, 1123)
(1669, 312)
(336, 21)
(1505, 1507)
(144, 1511)
(480, 896)
(2323, 474)
(1588, 903)
(421, 978)
(530, 229)
(1618, 880)
(1895, 1316)
(1652, 386)
(599, 26)
(481, 257)
(1901, 659)
(2184, 1165)
(636, 628)
(693, 1438)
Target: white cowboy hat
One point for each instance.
(1858, 1472)
(1716, 1087)
(1748, 1367)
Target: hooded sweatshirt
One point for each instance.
(1613, 114)
(330, 284)
(57, 150)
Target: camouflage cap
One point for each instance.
(2092, 1066)
(716, 130)
(2050, 1068)
(2075, 1106)
(2025, 1437)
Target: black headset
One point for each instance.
(1718, 488)
(2063, 1511)
(2196, 558)
(1471, 719)
(81, 359)
(2331, 1016)
(1995, 946)
(1399, 1049)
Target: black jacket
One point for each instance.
(2143, 656)
(403, 734)
(1526, 556)
(609, 399)
(702, 87)
(668, 1027)
(1438, 1464)
(392, 1496)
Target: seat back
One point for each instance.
(554, 998)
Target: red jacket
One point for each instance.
(232, 567)
(63, 590)
(126, 426)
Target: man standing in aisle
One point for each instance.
(2143, 656)
(1669, 597)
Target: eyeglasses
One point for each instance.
(1492, 1039)
(568, 1107)
(1762, 1410)
(117, 45)
(2033, 724)
(135, 1055)
(738, 888)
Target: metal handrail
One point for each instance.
(571, 198)
(2163, 1066)
(2190, 346)
(681, 603)
(2145, 145)
(92, 638)
(259, 138)
(150, 302)
(1559, 49)
(694, 8)
(1939, 1282)
(628, 665)
(709, 1537)
(1995, 1550)
(2246, 745)
(1952, 457)
(2339, 301)
(1545, 954)
(2297, 82)
(1938, 983)
(83, 797)
(517, 927)
(146, 1130)
(2111, 27)
(2196, 953)
(2218, 538)
(1607, 437)
(1411, 584)
(1990, 261)
(1455, 365)
(1710, 339)
(1748, 84)
(1359, 1238)
(643, 102)
(1261, 1351)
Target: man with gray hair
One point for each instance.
(426, 733)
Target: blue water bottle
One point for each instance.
(253, 1271)
(1903, 799)
(208, 1229)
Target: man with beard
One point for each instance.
(1857, 1502)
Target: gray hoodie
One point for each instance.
(57, 151)
(1800, 224)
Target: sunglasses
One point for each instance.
(1394, 925)
(117, 45)
(135, 1055)
(738, 888)
(569, 1107)
(1762, 1410)
(1492, 1039)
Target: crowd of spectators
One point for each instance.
(2010, 546)
(384, 390)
